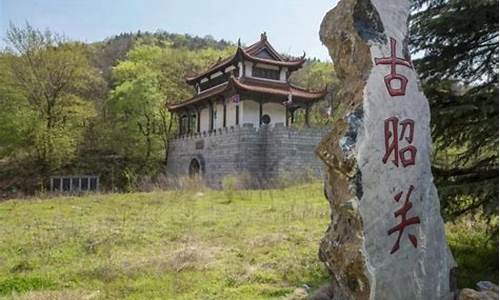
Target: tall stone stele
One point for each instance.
(386, 240)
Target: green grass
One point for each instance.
(475, 252)
(164, 245)
(178, 245)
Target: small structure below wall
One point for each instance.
(74, 184)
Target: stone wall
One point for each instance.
(265, 154)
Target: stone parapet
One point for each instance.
(264, 153)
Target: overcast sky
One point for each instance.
(291, 25)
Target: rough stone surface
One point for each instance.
(470, 294)
(264, 154)
(487, 286)
(358, 248)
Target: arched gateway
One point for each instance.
(194, 168)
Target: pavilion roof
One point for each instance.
(250, 53)
(253, 85)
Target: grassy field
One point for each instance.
(171, 245)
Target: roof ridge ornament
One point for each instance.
(239, 42)
(263, 36)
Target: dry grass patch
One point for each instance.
(58, 295)
(191, 254)
(268, 240)
(193, 257)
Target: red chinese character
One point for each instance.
(404, 221)
(393, 60)
(407, 154)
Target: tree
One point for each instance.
(135, 105)
(150, 77)
(15, 114)
(459, 70)
(51, 83)
(317, 75)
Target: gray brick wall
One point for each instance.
(265, 153)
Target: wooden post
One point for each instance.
(224, 112)
(287, 115)
(237, 114)
(306, 119)
(198, 121)
(181, 125)
(260, 113)
(211, 116)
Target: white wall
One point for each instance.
(204, 119)
(249, 113)
(240, 68)
(249, 110)
(283, 74)
(248, 68)
(219, 122)
(230, 113)
(276, 111)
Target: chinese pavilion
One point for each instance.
(249, 87)
(242, 95)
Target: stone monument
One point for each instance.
(386, 239)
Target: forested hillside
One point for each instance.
(75, 108)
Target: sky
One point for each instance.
(291, 25)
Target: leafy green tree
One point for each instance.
(50, 82)
(135, 104)
(15, 113)
(317, 75)
(459, 68)
(150, 77)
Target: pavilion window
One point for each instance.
(213, 82)
(266, 73)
